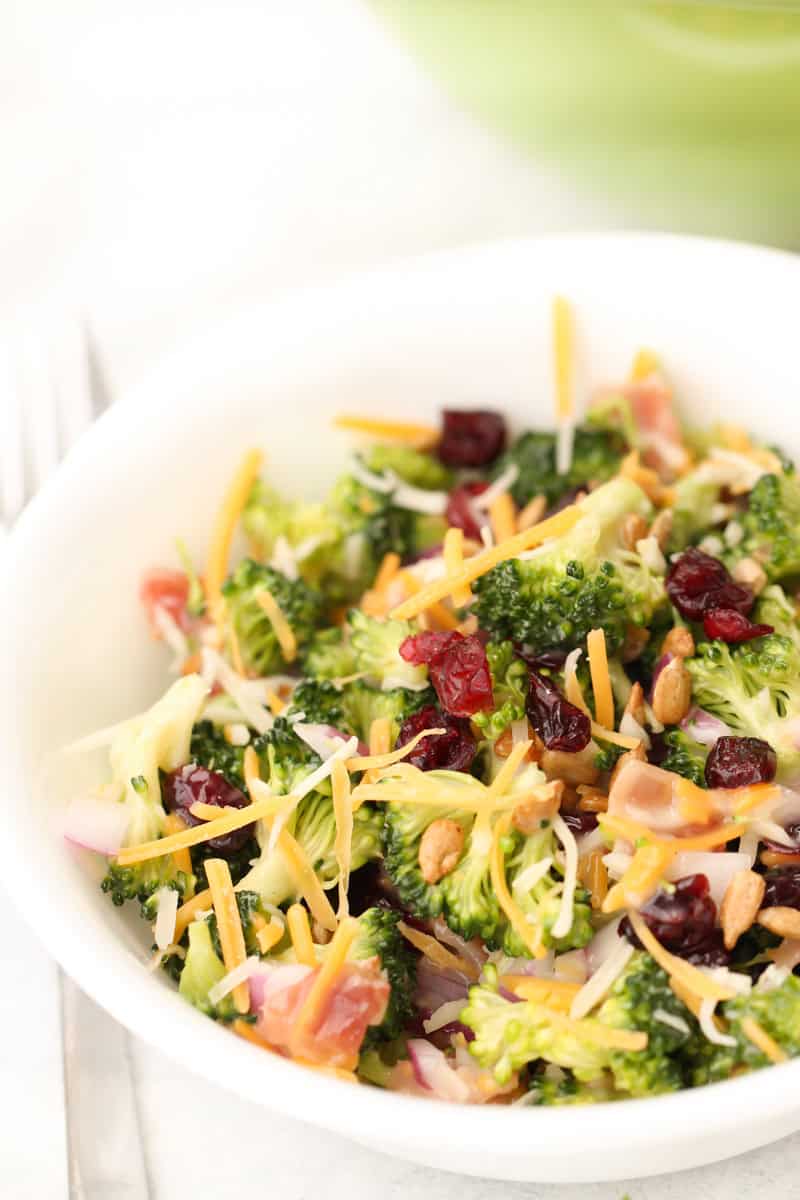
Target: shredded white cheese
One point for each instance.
(444, 1015)
(650, 553)
(216, 670)
(705, 1018)
(600, 983)
(505, 480)
(173, 635)
(232, 980)
(668, 1018)
(527, 879)
(563, 922)
(164, 932)
(346, 750)
(283, 558)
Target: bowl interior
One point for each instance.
(470, 329)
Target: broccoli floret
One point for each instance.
(379, 935)
(362, 705)
(329, 655)
(774, 608)
(638, 999)
(542, 903)
(376, 647)
(510, 1035)
(252, 915)
(313, 825)
(320, 702)
(300, 605)
(509, 687)
(772, 526)
(552, 1093)
(778, 1014)
(696, 493)
(159, 740)
(596, 457)
(684, 756)
(753, 688)
(373, 525)
(413, 466)
(581, 581)
(465, 897)
(202, 969)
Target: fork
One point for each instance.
(51, 390)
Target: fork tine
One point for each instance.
(41, 408)
(73, 383)
(12, 461)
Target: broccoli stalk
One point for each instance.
(581, 581)
(202, 969)
(159, 740)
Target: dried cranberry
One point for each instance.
(728, 625)
(710, 953)
(782, 888)
(545, 660)
(460, 512)
(739, 762)
(458, 669)
(683, 920)
(559, 724)
(192, 785)
(471, 439)
(453, 750)
(697, 583)
(580, 822)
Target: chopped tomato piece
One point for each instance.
(163, 587)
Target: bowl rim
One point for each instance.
(201, 1045)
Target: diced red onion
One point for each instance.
(436, 986)
(433, 1071)
(473, 951)
(602, 945)
(96, 824)
(704, 727)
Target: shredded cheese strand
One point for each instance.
(563, 337)
(502, 781)
(269, 936)
(380, 739)
(237, 819)
(343, 843)
(300, 933)
(503, 517)
(188, 911)
(601, 681)
(421, 437)
(229, 926)
(482, 562)
(563, 922)
(453, 553)
(572, 687)
(438, 954)
(390, 565)
(645, 363)
(275, 703)
(641, 879)
(283, 630)
(530, 936)
(677, 968)
(554, 993)
(223, 531)
(633, 831)
(378, 762)
(616, 739)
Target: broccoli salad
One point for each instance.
(480, 779)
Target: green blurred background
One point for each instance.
(685, 115)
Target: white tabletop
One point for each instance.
(166, 162)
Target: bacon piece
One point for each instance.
(662, 442)
(357, 999)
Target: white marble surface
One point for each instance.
(163, 163)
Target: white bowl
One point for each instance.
(465, 328)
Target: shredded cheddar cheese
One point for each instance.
(300, 933)
(437, 612)
(633, 831)
(343, 843)
(380, 738)
(616, 739)
(421, 437)
(229, 925)
(188, 911)
(692, 979)
(554, 993)
(563, 337)
(503, 517)
(480, 563)
(641, 879)
(377, 762)
(390, 565)
(283, 630)
(453, 551)
(247, 1033)
(269, 934)
(532, 513)
(529, 935)
(276, 705)
(224, 528)
(601, 680)
(645, 363)
(694, 804)
(436, 953)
